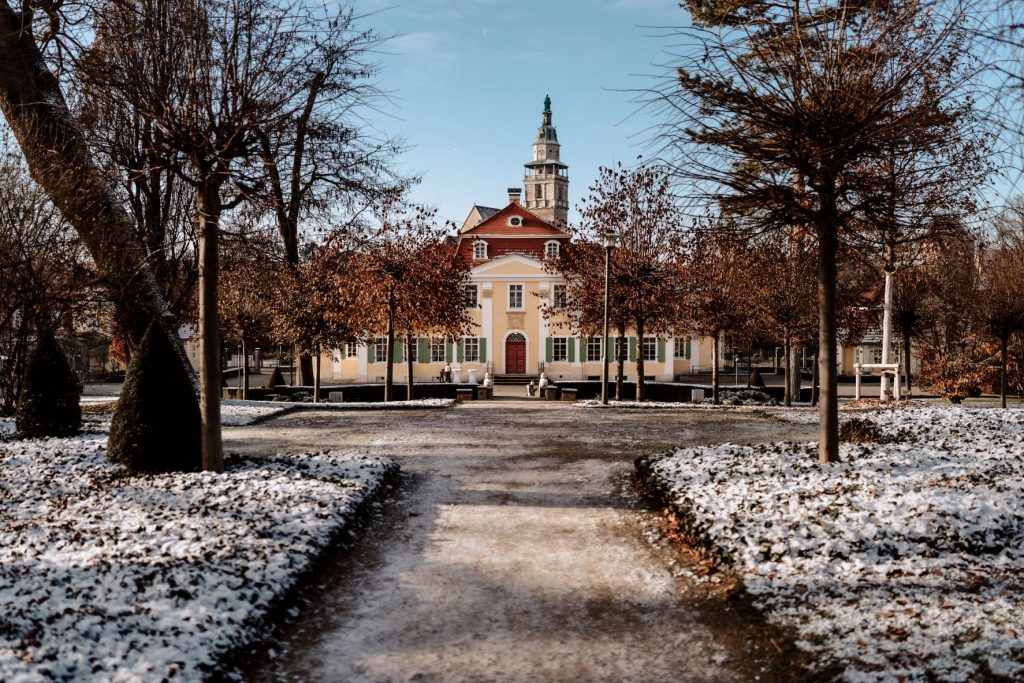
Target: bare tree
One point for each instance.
(211, 75)
(783, 117)
(46, 276)
(328, 158)
(59, 160)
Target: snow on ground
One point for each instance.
(243, 413)
(903, 562)
(110, 577)
(380, 405)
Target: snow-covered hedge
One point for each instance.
(110, 577)
(903, 562)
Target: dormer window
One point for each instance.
(551, 249)
(480, 250)
(515, 221)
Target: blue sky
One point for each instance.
(468, 79)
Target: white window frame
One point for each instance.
(515, 221)
(595, 345)
(679, 350)
(471, 349)
(649, 348)
(559, 296)
(876, 356)
(518, 289)
(437, 350)
(476, 296)
(351, 350)
(479, 250)
(380, 350)
(551, 249)
(414, 355)
(559, 349)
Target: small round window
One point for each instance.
(515, 221)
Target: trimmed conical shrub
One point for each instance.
(156, 426)
(276, 379)
(48, 405)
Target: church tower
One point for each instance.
(547, 178)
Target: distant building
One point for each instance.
(507, 248)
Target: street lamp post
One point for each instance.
(610, 242)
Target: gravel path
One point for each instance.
(516, 551)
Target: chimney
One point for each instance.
(514, 193)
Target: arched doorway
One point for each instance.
(515, 354)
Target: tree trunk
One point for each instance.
(828, 430)
(795, 378)
(640, 361)
(620, 362)
(305, 369)
(714, 366)
(906, 361)
(316, 377)
(815, 378)
(245, 369)
(410, 343)
(787, 379)
(208, 207)
(389, 364)
(59, 160)
(1003, 342)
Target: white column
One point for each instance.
(542, 330)
(886, 327)
(670, 358)
(487, 326)
(362, 353)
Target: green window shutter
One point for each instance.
(609, 348)
(661, 350)
(460, 348)
(686, 349)
(549, 345)
(632, 349)
(423, 349)
(399, 350)
(448, 351)
(483, 349)
(571, 344)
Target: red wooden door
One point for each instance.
(515, 357)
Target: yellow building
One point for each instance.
(509, 290)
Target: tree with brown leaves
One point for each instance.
(1000, 301)
(638, 206)
(719, 295)
(782, 275)
(407, 278)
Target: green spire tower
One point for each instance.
(547, 178)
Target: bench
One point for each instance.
(463, 395)
(568, 394)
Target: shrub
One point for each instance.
(955, 376)
(49, 398)
(276, 379)
(156, 427)
(859, 430)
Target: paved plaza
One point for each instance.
(516, 550)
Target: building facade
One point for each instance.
(510, 289)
